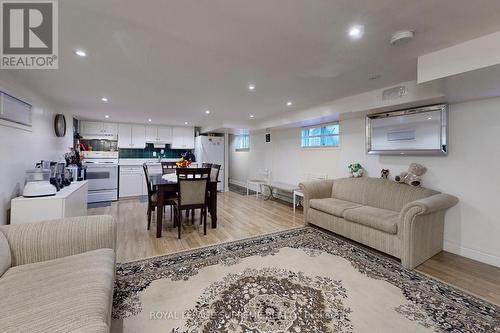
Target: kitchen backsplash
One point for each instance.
(149, 150)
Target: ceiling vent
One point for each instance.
(401, 37)
(394, 93)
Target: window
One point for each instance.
(242, 142)
(321, 136)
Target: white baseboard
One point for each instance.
(486, 258)
(238, 182)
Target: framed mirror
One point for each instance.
(417, 131)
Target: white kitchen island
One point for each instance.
(68, 202)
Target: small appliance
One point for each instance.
(38, 184)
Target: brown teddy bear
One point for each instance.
(413, 176)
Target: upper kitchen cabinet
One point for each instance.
(131, 136)
(158, 134)
(98, 128)
(182, 138)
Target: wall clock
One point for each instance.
(60, 125)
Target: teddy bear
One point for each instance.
(356, 170)
(413, 176)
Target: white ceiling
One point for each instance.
(171, 60)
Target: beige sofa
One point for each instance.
(403, 221)
(57, 276)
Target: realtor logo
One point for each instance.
(29, 34)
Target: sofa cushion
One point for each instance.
(376, 192)
(60, 295)
(5, 255)
(376, 218)
(332, 206)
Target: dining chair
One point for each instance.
(168, 167)
(192, 193)
(153, 197)
(214, 172)
(206, 165)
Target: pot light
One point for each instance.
(252, 116)
(356, 31)
(429, 118)
(185, 123)
(80, 53)
(251, 87)
(207, 111)
(150, 120)
(106, 116)
(289, 103)
(104, 99)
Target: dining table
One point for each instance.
(165, 185)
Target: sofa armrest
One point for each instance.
(422, 228)
(429, 205)
(36, 242)
(315, 190)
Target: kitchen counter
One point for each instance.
(141, 161)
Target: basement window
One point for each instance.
(320, 136)
(243, 142)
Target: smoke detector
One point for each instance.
(402, 36)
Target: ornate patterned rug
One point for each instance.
(301, 280)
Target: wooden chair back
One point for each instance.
(206, 165)
(214, 173)
(192, 187)
(168, 167)
(148, 181)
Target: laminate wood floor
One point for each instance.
(241, 217)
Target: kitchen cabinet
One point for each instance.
(98, 128)
(132, 181)
(182, 138)
(131, 136)
(161, 134)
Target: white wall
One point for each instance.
(20, 150)
(472, 228)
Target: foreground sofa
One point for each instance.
(403, 221)
(57, 276)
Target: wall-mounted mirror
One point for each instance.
(418, 131)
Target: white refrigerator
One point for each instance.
(210, 149)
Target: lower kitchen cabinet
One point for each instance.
(132, 181)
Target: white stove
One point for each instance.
(102, 175)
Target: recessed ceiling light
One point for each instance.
(80, 53)
(207, 111)
(251, 86)
(356, 31)
(106, 116)
(252, 116)
(185, 123)
(104, 99)
(430, 118)
(289, 103)
(150, 120)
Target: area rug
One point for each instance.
(301, 280)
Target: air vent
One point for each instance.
(394, 93)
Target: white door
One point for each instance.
(130, 182)
(177, 138)
(188, 138)
(110, 128)
(124, 136)
(90, 127)
(151, 133)
(138, 136)
(165, 134)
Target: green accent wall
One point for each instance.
(148, 152)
